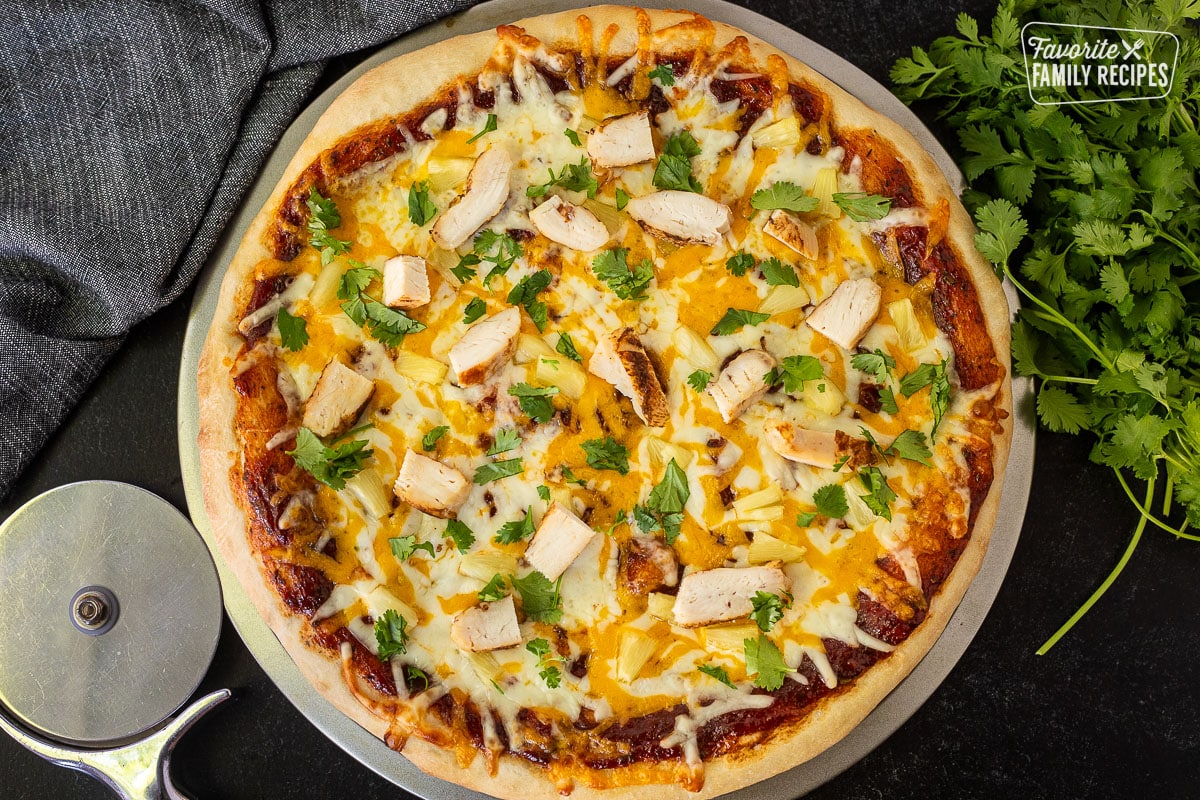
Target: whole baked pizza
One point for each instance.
(608, 405)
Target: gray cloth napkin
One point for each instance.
(129, 132)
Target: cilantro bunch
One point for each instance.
(1093, 211)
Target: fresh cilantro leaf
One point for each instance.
(515, 530)
(877, 363)
(935, 377)
(525, 294)
(735, 318)
(887, 401)
(544, 493)
(323, 210)
(768, 609)
(465, 270)
(539, 597)
(495, 591)
(498, 249)
(777, 273)
(880, 494)
(663, 74)
(506, 439)
(391, 633)
(862, 207)
(293, 331)
(389, 325)
(430, 439)
(716, 673)
(567, 347)
(830, 501)
(1001, 229)
(573, 137)
(621, 517)
(645, 519)
(355, 281)
(461, 535)
(322, 217)
(699, 379)
(805, 518)
(664, 505)
(622, 198)
(765, 663)
(629, 284)
(495, 470)
(569, 477)
(911, 445)
(420, 208)
(488, 127)
(404, 546)
(474, 310)
(535, 400)
(674, 168)
(607, 453)
(1060, 411)
(793, 371)
(784, 195)
(573, 177)
(546, 658)
(332, 466)
(738, 263)
(413, 675)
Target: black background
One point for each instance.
(1112, 711)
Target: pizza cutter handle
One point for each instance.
(138, 771)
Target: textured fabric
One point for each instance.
(129, 132)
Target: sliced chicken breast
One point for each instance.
(405, 282)
(558, 541)
(793, 232)
(339, 395)
(487, 190)
(621, 360)
(486, 347)
(821, 449)
(681, 217)
(718, 595)
(431, 486)
(569, 225)
(741, 383)
(489, 626)
(622, 141)
(846, 315)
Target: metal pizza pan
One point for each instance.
(887, 717)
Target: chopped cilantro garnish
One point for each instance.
(607, 453)
(535, 400)
(783, 195)
(474, 310)
(628, 283)
(404, 546)
(539, 597)
(488, 127)
(461, 535)
(876, 363)
(768, 609)
(664, 506)
(496, 470)
(546, 658)
(515, 530)
(525, 294)
(496, 590)
(293, 331)
(699, 379)
(430, 439)
(674, 168)
(717, 673)
(735, 319)
(830, 501)
(391, 633)
(573, 137)
(862, 207)
(567, 347)
(739, 263)
(506, 439)
(573, 177)
(663, 74)
(765, 663)
(880, 495)
(322, 217)
(911, 445)
(622, 198)
(793, 371)
(332, 466)
(420, 208)
(777, 273)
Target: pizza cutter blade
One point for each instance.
(110, 611)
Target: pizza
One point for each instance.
(607, 405)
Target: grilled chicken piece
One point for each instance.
(793, 232)
(339, 395)
(569, 225)
(846, 315)
(818, 448)
(486, 192)
(486, 347)
(741, 383)
(681, 217)
(558, 541)
(621, 360)
(488, 626)
(405, 282)
(648, 565)
(622, 141)
(717, 595)
(431, 486)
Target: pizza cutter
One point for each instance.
(110, 610)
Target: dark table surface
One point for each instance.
(1112, 711)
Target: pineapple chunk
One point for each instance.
(728, 638)
(766, 548)
(486, 666)
(344, 327)
(859, 516)
(612, 219)
(764, 514)
(448, 173)
(784, 133)
(784, 298)
(634, 649)
(485, 566)
(420, 368)
(824, 187)
(444, 262)
(562, 372)
(380, 599)
(908, 328)
(694, 349)
(661, 453)
(661, 606)
(324, 290)
(828, 402)
(772, 495)
(367, 487)
(530, 347)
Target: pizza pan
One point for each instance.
(887, 717)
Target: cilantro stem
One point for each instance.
(1147, 514)
(1112, 576)
(1068, 379)
(1053, 315)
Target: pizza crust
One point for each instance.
(385, 91)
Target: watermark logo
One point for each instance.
(1085, 64)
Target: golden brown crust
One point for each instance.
(383, 93)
